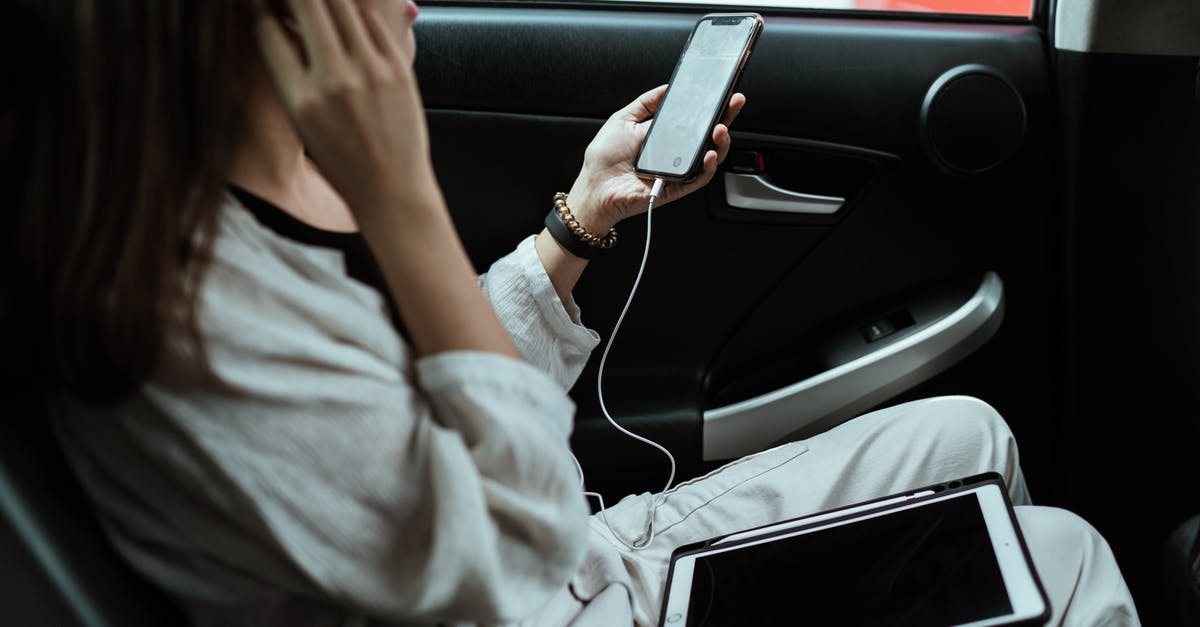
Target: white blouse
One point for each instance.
(321, 470)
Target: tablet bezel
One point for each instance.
(1020, 579)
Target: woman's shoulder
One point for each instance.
(242, 237)
(264, 291)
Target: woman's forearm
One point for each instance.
(563, 268)
(431, 278)
(355, 102)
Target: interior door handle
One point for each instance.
(844, 391)
(752, 191)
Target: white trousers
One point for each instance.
(887, 451)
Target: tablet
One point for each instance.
(927, 557)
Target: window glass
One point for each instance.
(1011, 8)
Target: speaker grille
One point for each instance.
(972, 121)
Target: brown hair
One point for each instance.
(117, 156)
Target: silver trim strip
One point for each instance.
(834, 396)
(751, 191)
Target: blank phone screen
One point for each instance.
(930, 565)
(705, 70)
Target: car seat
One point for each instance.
(1181, 575)
(59, 568)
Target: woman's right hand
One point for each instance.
(353, 97)
(352, 94)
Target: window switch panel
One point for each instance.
(878, 330)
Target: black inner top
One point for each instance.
(360, 263)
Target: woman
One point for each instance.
(230, 380)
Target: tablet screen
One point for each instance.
(930, 565)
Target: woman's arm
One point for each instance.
(354, 100)
(448, 492)
(530, 289)
(608, 190)
(338, 470)
(533, 296)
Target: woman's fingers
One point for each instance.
(736, 103)
(707, 169)
(675, 191)
(320, 38)
(383, 37)
(639, 111)
(348, 19)
(722, 140)
(644, 106)
(282, 60)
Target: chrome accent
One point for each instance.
(752, 191)
(831, 397)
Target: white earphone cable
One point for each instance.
(647, 536)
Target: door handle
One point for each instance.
(752, 191)
(842, 392)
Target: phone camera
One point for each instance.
(677, 161)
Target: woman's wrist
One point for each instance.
(562, 268)
(589, 209)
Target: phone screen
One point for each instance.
(706, 70)
(930, 565)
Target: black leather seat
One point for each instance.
(1181, 575)
(58, 567)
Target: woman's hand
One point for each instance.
(352, 95)
(607, 189)
(353, 98)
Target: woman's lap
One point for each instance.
(884, 452)
(880, 453)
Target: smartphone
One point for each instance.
(953, 559)
(704, 78)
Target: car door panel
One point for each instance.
(514, 95)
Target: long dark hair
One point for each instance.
(116, 150)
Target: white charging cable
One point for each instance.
(647, 536)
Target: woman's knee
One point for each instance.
(927, 441)
(960, 426)
(1077, 568)
(1057, 530)
(960, 436)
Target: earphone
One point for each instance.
(648, 534)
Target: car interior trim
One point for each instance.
(848, 389)
(14, 510)
(753, 192)
(1160, 27)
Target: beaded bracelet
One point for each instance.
(568, 232)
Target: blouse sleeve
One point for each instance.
(546, 331)
(317, 459)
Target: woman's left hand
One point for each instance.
(608, 190)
